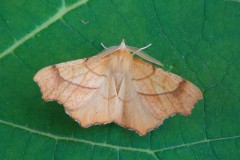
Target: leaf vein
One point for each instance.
(62, 11)
(149, 151)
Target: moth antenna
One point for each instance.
(144, 47)
(140, 49)
(138, 52)
(103, 46)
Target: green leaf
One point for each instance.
(198, 40)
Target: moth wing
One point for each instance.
(162, 93)
(134, 113)
(80, 86)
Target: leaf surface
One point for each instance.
(198, 40)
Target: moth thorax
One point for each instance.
(121, 61)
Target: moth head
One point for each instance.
(124, 51)
(121, 59)
(122, 45)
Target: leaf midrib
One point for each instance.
(149, 151)
(61, 12)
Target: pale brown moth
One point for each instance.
(114, 86)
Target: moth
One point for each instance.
(115, 86)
